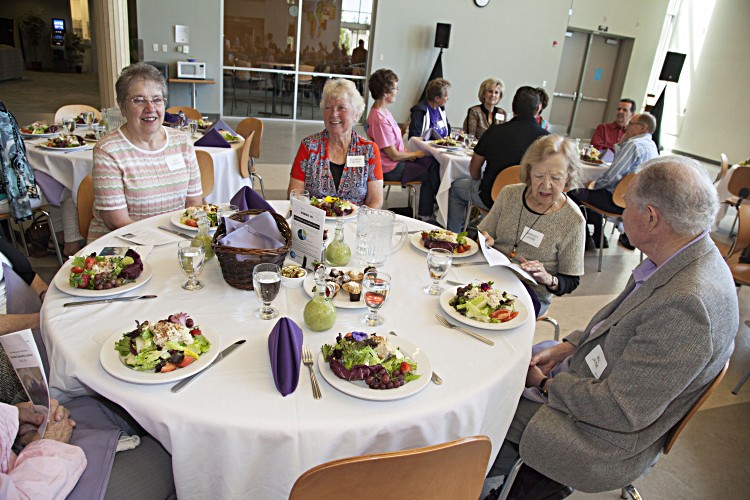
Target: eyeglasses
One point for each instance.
(142, 101)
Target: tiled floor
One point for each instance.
(710, 458)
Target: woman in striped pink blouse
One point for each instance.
(142, 169)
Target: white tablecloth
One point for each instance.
(69, 169)
(232, 435)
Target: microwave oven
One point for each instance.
(196, 70)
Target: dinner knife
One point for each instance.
(107, 301)
(178, 233)
(223, 354)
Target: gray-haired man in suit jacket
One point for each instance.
(647, 356)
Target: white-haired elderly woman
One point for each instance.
(535, 223)
(338, 161)
(142, 169)
(480, 117)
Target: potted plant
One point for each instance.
(33, 25)
(74, 50)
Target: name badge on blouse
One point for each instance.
(532, 237)
(499, 117)
(175, 162)
(441, 125)
(355, 161)
(596, 361)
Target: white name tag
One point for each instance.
(355, 161)
(441, 124)
(499, 117)
(596, 361)
(532, 237)
(175, 162)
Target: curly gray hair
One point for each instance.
(339, 88)
(680, 189)
(138, 72)
(546, 146)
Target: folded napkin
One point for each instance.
(171, 119)
(259, 232)
(285, 350)
(51, 188)
(415, 168)
(249, 199)
(221, 125)
(22, 299)
(212, 139)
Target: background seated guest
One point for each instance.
(480, 117)
(501, 146)
(338, 161)
(534, 223)
(607, 135)
(543, 102)
(635, 147)
(142, 169)
(646, 357)
(398, 163)
(430, 113)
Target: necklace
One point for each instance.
(519, 236)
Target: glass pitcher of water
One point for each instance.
(375, 230)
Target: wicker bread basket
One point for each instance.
(239, 272)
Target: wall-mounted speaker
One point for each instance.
(442, 35)
(670, 71)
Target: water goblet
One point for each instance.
(455, 132)
(193, 128)
(69, 124)
(191, 255)
(302, 195)
(377, 287)
(266, 283)
(469, 141)
(225, 210)
(88, 117)
(438, 264)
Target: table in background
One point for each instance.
(193, 90)
(70, 168)
(232, 424)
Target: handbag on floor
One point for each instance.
(37, 236)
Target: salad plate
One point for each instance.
(446, 147)
(416, 241)
(115, 366)
(519, 320)
(62, 284)
(76, 148)
(359, 389)
(341, 300)
(40, 136)
(352, 215)
(593, 164)
(177, 216)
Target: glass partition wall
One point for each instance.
(278, 54)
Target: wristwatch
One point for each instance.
(555, 282)
(542, 384)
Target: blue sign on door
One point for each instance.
(598, 74)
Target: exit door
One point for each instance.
(589, 83)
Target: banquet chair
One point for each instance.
(190, 113)
(206, 166)
(245, 128)
(724, 168)
(85, 203)
(739, 188)
(449, 470)
(731, 250)
(509, 175)
(741, 275)
(629, 491)
(618, 197)
(412, 192)
(38, 206)
(73, 110)
(245, 79)
(305, 86)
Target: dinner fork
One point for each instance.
(462, 264)
(450, 325)
(307, 359)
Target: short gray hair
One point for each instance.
(647, 120)
(549, 145)
(340, 88)
(138, 72)
(490, 83)
(680, 189)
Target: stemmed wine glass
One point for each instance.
(377, 287)
(69, 124)
(469, 141)
(267, 283)
(191, 255)
(438, 263)
(88, 117)
(302, 195)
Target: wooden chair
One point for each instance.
(248, 80)
(724, 168)
(73, 110)
(741, 275)
(206, 166)
(38, 206)
(731, 250)
(739, 188)
(85, 202)
(450, 470)
(245, 128)
(629, 490)
(618, 197)
(305, 85)
(190, 113)
(509, 175)
(412, 192)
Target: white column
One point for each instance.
(112, 45)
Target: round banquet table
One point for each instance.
(231, 433)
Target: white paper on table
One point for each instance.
(496, 258)
(308, 223)
(148, 236)
(24, 356)
(119, 251)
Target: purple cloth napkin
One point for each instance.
(414, 169)
(248, 199)
(171, 119)
(22, 299)
(221, 125)
(260, 232)
(212, 139)
(285, 351)
(50, 187)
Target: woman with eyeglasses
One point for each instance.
(142, 169)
